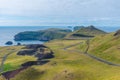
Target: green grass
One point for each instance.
(104, 46)
(107, 47)
(85, 32)
(67, 65)
(9, 67)
(13, 61)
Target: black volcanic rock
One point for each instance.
(27, 52)
(35, 49)
(31, 63)
(34, 46)
(9, 43)
(18, 44)
(117, 33)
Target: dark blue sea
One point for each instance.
(7, 33)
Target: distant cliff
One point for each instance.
(42, 35)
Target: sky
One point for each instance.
(59, 12)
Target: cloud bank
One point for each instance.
(59, 12)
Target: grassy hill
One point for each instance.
(105, 46)
(85, 32)
(67, 64)
(43, 35)
(13, 61)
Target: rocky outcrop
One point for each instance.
(33, 50)
(35, 46)
(9, 43)
(27, 52)
(18, 44)
(31, 63)
(117, 33)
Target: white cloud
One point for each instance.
(38, 12)
(48, 7)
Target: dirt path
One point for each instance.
(90, 55)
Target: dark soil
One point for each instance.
(11, 74)
(31, 63)
(35, 46)
(31, 50)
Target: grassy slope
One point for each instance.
(85, 31)
(13, 61)
(48, 34)
(105, 46)
(90, 31)
(67, 65)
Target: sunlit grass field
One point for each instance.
(105, 46)
(66, 65)
(13, 61)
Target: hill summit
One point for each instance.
(89, 31)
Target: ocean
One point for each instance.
(7, 33)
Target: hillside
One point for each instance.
(68, 64)
(42, 35)
(105, 46)
(85, 32)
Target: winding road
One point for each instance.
(90, 55)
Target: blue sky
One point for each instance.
(59, 12)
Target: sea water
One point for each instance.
(7, 33)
